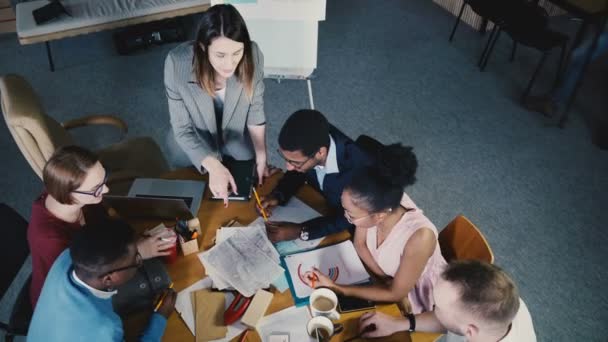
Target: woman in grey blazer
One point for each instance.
(215, 91)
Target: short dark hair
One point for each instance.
(485, 290)
(380, 186)
(100, 244)
(306, 130)
(65, 171)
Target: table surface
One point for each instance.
(186, 270)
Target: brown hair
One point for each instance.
(485, 289)
(65, 171)
(222, 21)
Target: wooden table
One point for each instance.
(212, 215)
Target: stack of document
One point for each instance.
(246, 261)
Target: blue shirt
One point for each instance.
(67, 311)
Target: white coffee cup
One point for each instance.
(321, 325)
(324, 302)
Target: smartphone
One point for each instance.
(349, 304)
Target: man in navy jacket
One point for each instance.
(318, 154)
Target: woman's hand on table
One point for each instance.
(317, 279)
(221, 182)
(264, 170)
(156, 245)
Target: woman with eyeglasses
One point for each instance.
(215, 90)
(74, 182)
(392, 236)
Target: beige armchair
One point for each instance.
(38, 135)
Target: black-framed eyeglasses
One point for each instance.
(137, 264)
(295, 163)
(97, 191)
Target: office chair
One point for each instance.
(460, 239)
(13, 254)
(527, 24)
(38, 135)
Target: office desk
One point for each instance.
(212, 215)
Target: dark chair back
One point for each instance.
(15, 248)
(13, 254)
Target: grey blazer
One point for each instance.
(192, 113)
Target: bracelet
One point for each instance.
(410, 316)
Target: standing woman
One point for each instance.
(215, 91)
(75, 182)
(392, 236)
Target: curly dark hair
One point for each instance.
(380, 186)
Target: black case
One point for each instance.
(49, 12)
(139, 37)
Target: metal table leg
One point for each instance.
(49, 56)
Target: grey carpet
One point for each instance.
(385, 69)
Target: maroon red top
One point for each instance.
(48, 236)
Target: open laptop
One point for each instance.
(153, 197)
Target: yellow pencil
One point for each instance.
(257, 198)
(162, 298)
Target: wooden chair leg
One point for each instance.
(536, 72)
(457, 20)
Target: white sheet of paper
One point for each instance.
(293, 211)
(292, 320)
(183, 305)
(339, 262)
(247, 261)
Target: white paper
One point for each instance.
(291, 320)
(339, 262)
(293, 211)
(225, 233)
(246, 261)
(183, 305)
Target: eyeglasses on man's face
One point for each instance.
(95, 192)
(295, 163)
(136, 264)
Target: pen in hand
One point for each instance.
(257, 199)
(162, 298)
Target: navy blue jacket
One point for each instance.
(350, 159)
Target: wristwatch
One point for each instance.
(304, 236)
(410, 316)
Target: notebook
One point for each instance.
(243, 172)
